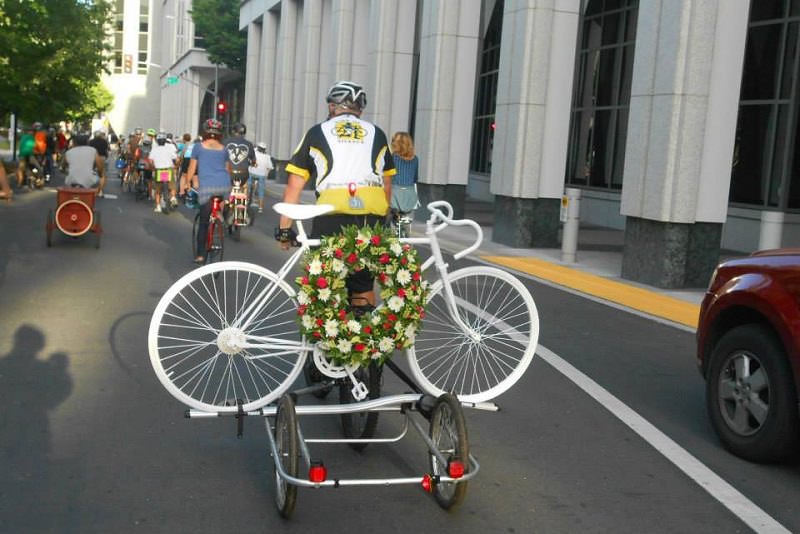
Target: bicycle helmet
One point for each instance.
(161, 138)
(137, 130)
(151, 132)
(261, 147)
(347, 93)
(212, 127)
(147, 142)
(239, 129)
(36, 125)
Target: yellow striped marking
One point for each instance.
(645, 301)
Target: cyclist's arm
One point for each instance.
(291, 195)
(191, 177)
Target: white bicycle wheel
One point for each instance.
(211, 345)
(504, 324)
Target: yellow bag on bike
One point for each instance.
(366, 200)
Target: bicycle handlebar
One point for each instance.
(438, 209)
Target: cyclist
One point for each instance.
(258, 172)
(100, 143)
(81, 161)
(209, 159)
(27, 144)
(353, 167)
(241, 154)
(164, 157)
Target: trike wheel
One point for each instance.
(448, 432)
(215, 244)
(360, 425)
(286, 443)
(227, 332)
(74, 217)
(479, 366)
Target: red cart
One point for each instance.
(74, 214)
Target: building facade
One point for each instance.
(677, 120)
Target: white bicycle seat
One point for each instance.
(301, 212)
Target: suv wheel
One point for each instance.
(751, 396)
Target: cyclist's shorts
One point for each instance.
(165, 175)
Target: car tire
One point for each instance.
(751, 396)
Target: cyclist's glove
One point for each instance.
(287, 235)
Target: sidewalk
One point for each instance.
(596, 271)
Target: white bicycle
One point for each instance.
(225, 338)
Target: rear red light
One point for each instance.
(317, 472)
(427, 483)
(455, 469)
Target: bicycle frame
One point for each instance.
(438, 221)
(216, 214)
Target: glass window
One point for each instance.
(765, 161)
(484, 125)
(603, 72)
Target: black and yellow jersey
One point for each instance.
(350, 158)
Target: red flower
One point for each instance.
(368, 329)
(342, 314)
(404, 260)
(339, 253)
(401, 293)
(320, 322)
(383, 278)
(406, 247)
(392, 317)
(416, 276)
(384, 259)
(387, 326)
(301, 309)
(304, 280)
(375, 240)
(322, 283)
(352, 258)
(316, 334)
(359, 347)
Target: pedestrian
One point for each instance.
(209, 159)
(353, 166)
(404, 184)
(259, 172)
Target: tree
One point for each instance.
(52, 53)
(217, 22)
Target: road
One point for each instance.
(91, 442)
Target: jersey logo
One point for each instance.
(237, 153)
(348, 131)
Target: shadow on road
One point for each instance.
(30, 388)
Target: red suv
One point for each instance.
(748, 351)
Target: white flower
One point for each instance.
(399, 326)
(395, 303)
(362, 237)
(411, 332)
(331, 328)
(386, 344)
(403, 276)
(308, 321)
(303, 298)
(396, 248)
(338, 266)
(344, 346)
(375, 355)
(328, 251)
(376, 318)
(324, 294)
(354, 326)
(315, 267)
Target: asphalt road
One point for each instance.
(91, 442)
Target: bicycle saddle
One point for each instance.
(301, 212)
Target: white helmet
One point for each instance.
(348, 93)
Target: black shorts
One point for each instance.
(361, 281)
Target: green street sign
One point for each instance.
(172, 80)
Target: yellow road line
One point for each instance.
(663, 306)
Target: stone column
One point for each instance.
(251, 89)
(285, 122)
(683, 109)
(532, 115)
(445, 97)
(312, 101)
(391, 61)
(265, 122)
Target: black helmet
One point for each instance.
(239, 128)
(212, 126)
(347, 93)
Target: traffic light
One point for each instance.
(221, 107)
(128, 64)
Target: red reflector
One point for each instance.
(455, 469)
(427, 483)
(351, 187)
(317, 472)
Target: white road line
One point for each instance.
(727, 495)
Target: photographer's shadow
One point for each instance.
(30, 388)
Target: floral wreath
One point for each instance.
(323, 303)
